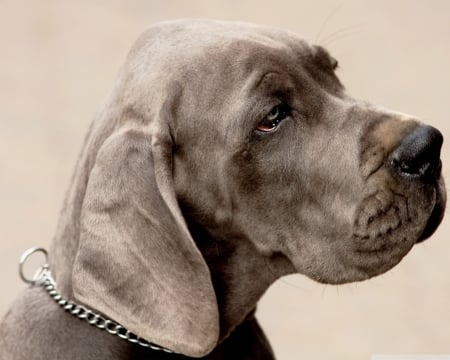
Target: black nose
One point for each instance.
(418, 155)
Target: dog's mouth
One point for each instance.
(387, 226)
(380, 249)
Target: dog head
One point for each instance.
(272, 149)
(247, 133)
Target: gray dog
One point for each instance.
(226, 156)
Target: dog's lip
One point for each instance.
(383, 248)
(436, 216)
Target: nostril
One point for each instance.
(418, 155)
(411, 167)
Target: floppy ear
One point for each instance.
(137, 262)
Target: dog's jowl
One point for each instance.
(226, 156)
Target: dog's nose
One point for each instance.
(418, 155)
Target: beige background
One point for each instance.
(59, 58)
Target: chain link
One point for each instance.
(43, 277)
(97, 320)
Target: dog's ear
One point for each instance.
(137, 262)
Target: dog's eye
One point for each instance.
(273, 118)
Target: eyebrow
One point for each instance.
(319, 50)
(263, 77)
(323, 56)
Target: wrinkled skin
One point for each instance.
(316, 194)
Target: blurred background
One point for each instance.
(58, 59)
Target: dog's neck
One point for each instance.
(239, 274)
(238, 283)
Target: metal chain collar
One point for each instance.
(44, 278)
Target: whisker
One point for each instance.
(282, 280)
(349, 30)
(341, 30)
(327, 19)
(291, 284)
(337, 287)
(340, 38)
(324, 288)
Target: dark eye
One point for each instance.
(273, 118)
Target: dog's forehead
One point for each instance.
(187, 44)
(200, 33)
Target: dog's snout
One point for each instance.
(418, 154)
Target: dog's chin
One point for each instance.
(364, 264)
